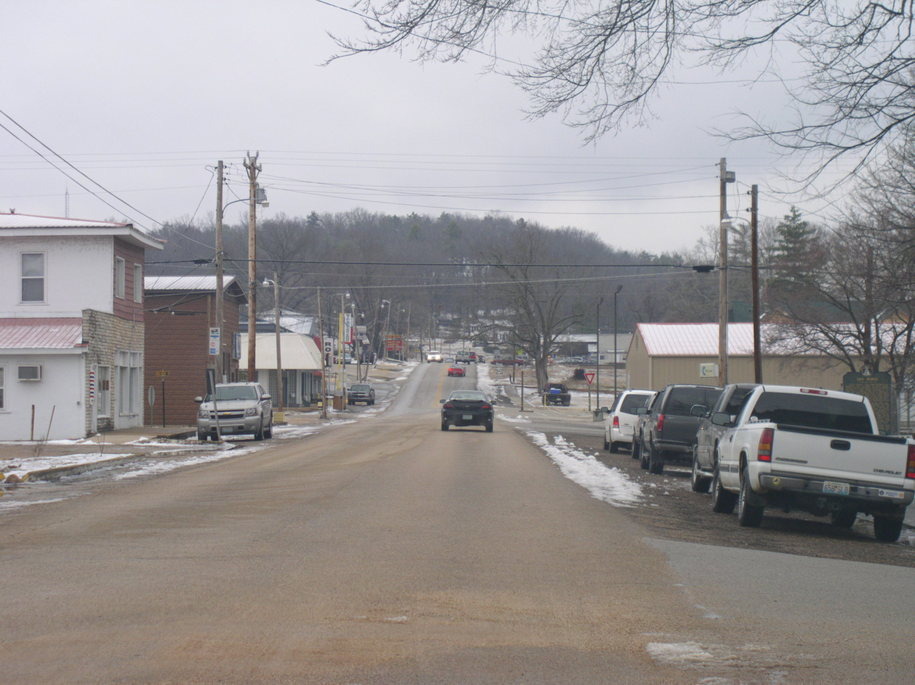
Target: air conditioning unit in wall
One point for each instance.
(30, 373)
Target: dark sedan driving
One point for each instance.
(467, 408)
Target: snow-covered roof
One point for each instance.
(694, 339)
(185, 283)
(41, 333)
(32, 225)
(299, 352)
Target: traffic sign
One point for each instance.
(589, 376)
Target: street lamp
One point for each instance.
(384, 328)
(280, 388)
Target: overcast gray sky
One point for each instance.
(145, 96)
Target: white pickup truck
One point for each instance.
(814, 450)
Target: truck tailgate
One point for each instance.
(855, 456)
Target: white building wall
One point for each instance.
(57, 398)
(79, 273)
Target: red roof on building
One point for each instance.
(29, 334)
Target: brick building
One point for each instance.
(71, 326)
(180, 311)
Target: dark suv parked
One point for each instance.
(708, 434)
(667, 432)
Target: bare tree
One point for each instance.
(599, 63)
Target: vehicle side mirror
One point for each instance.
(265, 396)
(441, 401)
(198, 400)
(720, 418)
(699, 410)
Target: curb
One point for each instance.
(59, 472)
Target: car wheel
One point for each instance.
(268, 432)
(202, 437)
(607, 444)
(643, 456)
(259, 433)
(748, 515)
(698, 482)
(886, 528)
(723, 501)
(843, 518)
(489, 427)
(444, 425)
(635, 447)
(655, 460)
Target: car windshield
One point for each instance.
(360, 388)
(235, 392)
(813, 411)
(467, 395)
(633, 401)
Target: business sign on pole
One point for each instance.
(393, 343)
(214, 341)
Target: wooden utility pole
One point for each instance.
(724, 176)
(219, 273)
(323, 360)
(754, 276)
(253, 168)
(281, 390)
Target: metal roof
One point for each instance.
(185, 283)
(694, 339)
(32, 225)
(31, 334)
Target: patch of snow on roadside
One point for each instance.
(515, 419)
(678, 653)
(20, 467)
(604, 483)
(157, 467)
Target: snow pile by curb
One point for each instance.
(607, 484)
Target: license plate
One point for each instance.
(832, 488)
(467, 417)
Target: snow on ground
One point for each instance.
(605, 483)
(20, 467)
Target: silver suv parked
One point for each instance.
(242, 407)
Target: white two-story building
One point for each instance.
(71, 326)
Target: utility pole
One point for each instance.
(724, 177)
(253, 169)
(754, 278)
(597, 347)
(323, 360)
(280, 389)
(220, 170)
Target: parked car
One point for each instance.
(361, 392)
(556, 393)
(456, 371)
(622, 418)
(816, 450)
(241, 408)
(708, 435)
(467, 408)
(434, 356)
(668, 432)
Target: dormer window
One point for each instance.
(33, 274)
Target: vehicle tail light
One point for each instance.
(910, 463)
(764, 450)
(813, 391)
(487, 406)
(448, 405)
(660, 422)
(616, 421)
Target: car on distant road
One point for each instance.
(557, 393)
(361, 392)
(456, 371)
(238, 408)
(467, 408)
(622, 418)
(434, 356)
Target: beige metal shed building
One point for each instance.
(662, 353)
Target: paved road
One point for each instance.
(388, 551)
